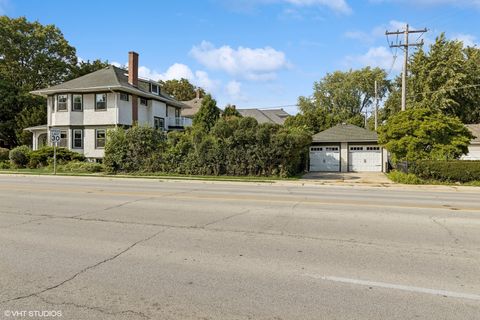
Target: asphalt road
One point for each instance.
(97, 248)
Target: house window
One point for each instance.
(159, 123)
(77, 102)
(62, 102)
(154, 88)
(143, 101)
(123, 96)
(100, 137)
(63, 139)
(100, 101)
(77, 138)
(177, 113)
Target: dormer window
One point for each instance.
(154, 88)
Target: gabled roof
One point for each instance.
(42, 127)
(109, 78)
(192, 107)
(475, 130)
(276, 116)
(345, 133)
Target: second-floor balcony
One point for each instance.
(179, 122)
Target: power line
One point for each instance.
(405, 46)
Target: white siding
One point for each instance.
(124, 111)
(93, 117)
(473, 152)
(89, 143)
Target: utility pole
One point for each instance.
(376, 106)
(405, 47)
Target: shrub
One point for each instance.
(20, 156)
(4, 165)
(447, 171)
(44, 156)
(4, 154)
(234, 146)
(77, 166)
(406, 178)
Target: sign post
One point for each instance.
(55, 136)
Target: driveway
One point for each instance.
(349, 177)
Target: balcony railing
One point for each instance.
(179, 122)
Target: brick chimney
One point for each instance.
(133, 80)
(133, 68)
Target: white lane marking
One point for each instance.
(444, 293)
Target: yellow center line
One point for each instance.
(232, 197)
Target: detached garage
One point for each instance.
(346, 147)
(474, 147)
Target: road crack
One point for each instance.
(84, 269)
(93, 308)
(225, 218)
(447, 229)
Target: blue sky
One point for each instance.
(252, 53)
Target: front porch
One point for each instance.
(40, 136)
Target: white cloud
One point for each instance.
(340, 6)
(467, 39)
(234, 90)
(176, 71)
(253, 64)
(376, 57)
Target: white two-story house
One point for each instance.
(86, 107)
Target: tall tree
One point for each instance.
(207, 115)
(9, 108)
(445, 78)
(33, 55)
(340, 97)
(85, 67)
(230, 111)
(181, 90)
(424, 133)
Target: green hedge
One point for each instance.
(20, 156)
(233, 147)
(4, 154)
(447, 171)
(44, 156)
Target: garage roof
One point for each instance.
(345, 133)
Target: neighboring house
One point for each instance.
(276, 116)
(346, 147)
(474, 147)
(86, 107)
(192, 106)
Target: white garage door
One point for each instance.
(364, 158)
(325, 158)
(473, 153)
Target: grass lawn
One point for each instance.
(61, 172)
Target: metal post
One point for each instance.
(55, 158)
(376, 106)
(404, 74)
